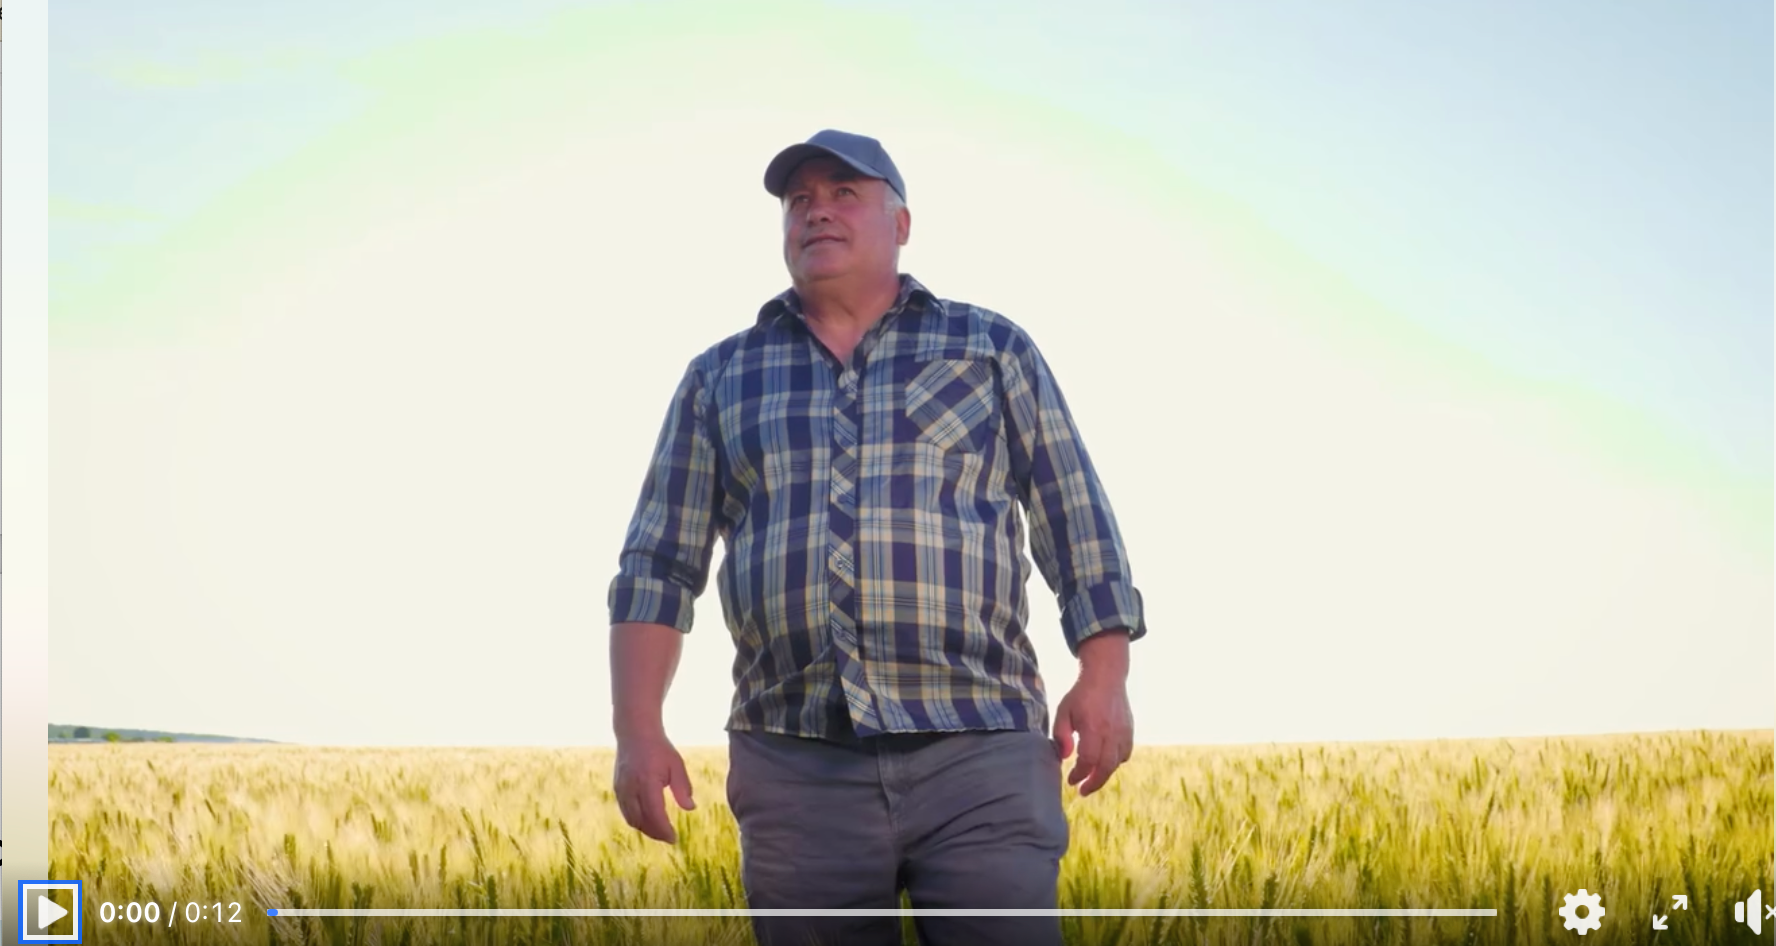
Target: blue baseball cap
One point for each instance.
(864, 154)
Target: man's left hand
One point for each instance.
(1097, 708)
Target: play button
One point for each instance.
(48, 912)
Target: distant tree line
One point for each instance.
(85, 732)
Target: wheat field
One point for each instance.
(1511, 825)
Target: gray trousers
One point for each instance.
(962, 820)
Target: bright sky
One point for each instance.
(1426, 352)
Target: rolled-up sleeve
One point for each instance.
(1073, 533)
(664, 564)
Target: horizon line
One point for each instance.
(232, 740)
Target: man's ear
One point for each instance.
(903, 225)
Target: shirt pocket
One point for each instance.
(953, 403)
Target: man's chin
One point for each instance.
(821, 272)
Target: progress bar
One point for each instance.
(890, 911)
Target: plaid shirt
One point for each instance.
(875, 571)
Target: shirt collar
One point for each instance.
(789, 303)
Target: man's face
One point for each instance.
(836, 223)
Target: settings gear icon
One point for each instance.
(1593, 918)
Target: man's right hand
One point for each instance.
(646, 766)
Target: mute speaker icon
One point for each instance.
(1750, 911)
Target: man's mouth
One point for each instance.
(823, 239)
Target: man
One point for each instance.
(863, 449)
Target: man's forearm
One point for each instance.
(1105, 655)
(644, 658)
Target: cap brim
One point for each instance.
(784, 164)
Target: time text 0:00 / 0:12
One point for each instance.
(193, 911)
